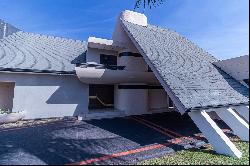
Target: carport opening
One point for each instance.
(101, 97)
(6, 96)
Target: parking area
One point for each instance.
(125, 140)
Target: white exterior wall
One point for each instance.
(44, 96)
(132, 63)
(158, 99)
(131, 101)
(120, 36)
(6, 95)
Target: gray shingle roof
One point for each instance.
(10, 29)
(186, 69)
(23, 51)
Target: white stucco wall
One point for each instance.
(131, 101)
(157, 99)
(132, 63)
(6, 95)
(140, 101)
(120, 36)
(43, 96)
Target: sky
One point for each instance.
(221, 27)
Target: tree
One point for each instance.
(148, 3)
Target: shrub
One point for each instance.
(4, 111)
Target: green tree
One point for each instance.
(149, 3)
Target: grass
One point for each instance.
(202, 157)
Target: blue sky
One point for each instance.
(219, 26)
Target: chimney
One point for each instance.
(134, 17)
(120, 36)
(4, 30)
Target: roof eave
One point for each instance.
(34, 71)
(212, 108)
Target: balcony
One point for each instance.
(93, 73)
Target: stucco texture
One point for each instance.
(44, 96)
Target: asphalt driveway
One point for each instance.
(108, 141)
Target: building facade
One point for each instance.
(143, 69)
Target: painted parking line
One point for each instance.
(125, 153)
(130, 152)
(164, 129)
(200, 137)
(154, 128)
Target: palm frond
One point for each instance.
(148, 3)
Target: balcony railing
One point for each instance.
(101, 66)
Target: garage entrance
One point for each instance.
(6, 95)
(101, 97)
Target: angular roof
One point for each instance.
(185, 70)
(28, 52)
(9, 29)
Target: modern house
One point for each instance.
(144, 69)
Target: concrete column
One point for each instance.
(215, 136)
(235, 122)
(131, 101)
(157, 100)
(243, 111)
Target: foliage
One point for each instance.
(202, 157)
(4, 111)
(148, 3)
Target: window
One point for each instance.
(108, 60)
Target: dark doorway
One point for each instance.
(101, 96)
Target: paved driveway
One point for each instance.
(108, 141)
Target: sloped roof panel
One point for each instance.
(186, 69)
(34, 52)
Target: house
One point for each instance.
(144, 69)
